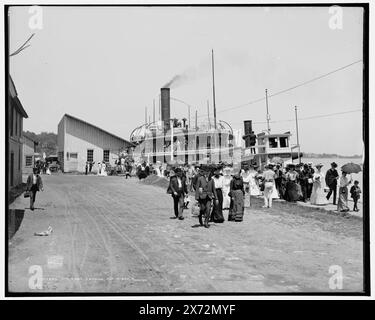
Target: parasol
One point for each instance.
(277, 160)
(351, 168)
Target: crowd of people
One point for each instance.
(218, 188)
(102, 168)
(42, 167)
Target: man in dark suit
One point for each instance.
(178, 189)
(253, 139)
(33, 185)
(205, 192)
(331, 181)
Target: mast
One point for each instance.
(268, 115)
(213, 87)
(299, 149)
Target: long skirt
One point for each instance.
(318, 196)
(342, 204)
(217, 213)
(275, 193)
(292, 190)
(254, 189)
(226, 198)
(237, 206)
(283, 192)
(247, 195)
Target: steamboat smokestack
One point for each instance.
(248, 127)
(165, 107)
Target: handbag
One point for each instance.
(26, 194)
(195, 209)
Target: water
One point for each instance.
(340, 162)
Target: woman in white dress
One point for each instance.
(318, 196)
(99, 168)
(275, 193)
(246, 177)
(227, 178)
(104, 172)
(254, 189)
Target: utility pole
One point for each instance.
(189, 115)
(159, 108)
(172, 123)
(145, 115)
(213, 87)
(154, 111)
(196, 120)
(268, 115)
(208, 114)
(299, 148)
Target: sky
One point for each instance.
(105, 65)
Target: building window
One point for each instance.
(73, 155)
(273, 142)
(19, 159)
(11, 120)
(20, 127)
(90, 155)
(284, 142)
(106, 155)
(29, 161)
(16, 132)
(11, 169)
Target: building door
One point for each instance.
(11, 169)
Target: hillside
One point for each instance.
(328, 155)
(47, 142)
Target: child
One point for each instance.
(355, 192)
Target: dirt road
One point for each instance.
(116, 235)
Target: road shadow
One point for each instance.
(196, 226)
(15, 217)
(35, 209)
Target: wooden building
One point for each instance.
(80, 142)
(16, 114)
(29, 154)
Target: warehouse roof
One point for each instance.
(14, 97)
(100, 129)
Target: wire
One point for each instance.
(288, 89)
(308, 118)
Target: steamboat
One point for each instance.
(171, 140)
